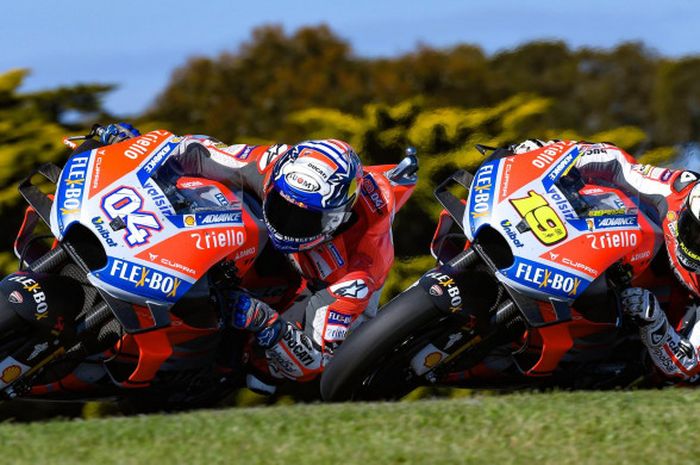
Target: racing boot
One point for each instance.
(672, 352)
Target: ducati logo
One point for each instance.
(15, 297)
(435, 290)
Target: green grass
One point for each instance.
(560, 428)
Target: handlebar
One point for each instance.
(96, 130)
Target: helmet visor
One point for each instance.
(292, 220)
(689, 238)
(294, 228)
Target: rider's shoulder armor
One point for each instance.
(684, 179)
(266, 155)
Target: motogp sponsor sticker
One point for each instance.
(372, 194)
(639, 256)
(231, 217)
(37, 350)
(481, 195)
(356, 289)
(34, 289)
(142, 280)
(561, 168)
(245, 253)
(155, 258)
(653, 172)
(336, 326)
(219, 218)
(563, 205)
(580, 266)
(15, 297)
(613, 239)
(549, 154)
(157, 197)
(10, 370)
(337, 318)
(221, 198)
(154, 162)
(546, 279)
(446, 282)
(71, 188)
(302, 182)
(511, 233)
(102, 230)
(141, 145)
(336, 254)
(241, 154)
(218, 239)
(300, 348)
(615, 221)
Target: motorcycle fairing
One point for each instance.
(153, 254)
(558, 252)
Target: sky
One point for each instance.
(138, 44)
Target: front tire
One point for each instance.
(346, 376)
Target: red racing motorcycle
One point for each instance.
(531, 263)
(125, 300)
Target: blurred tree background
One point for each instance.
(282, 86)
(32, 126)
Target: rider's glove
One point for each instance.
(118, 132)
(256, 316)
(641, 305)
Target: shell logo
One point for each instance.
(10, 374)
(190, 221)
(432, 359)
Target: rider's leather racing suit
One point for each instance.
(343, 276)
(662, 192)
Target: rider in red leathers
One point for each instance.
(332, 220)
(672, 198)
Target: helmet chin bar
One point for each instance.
(331, 221)
(687, 258)
(289, 244)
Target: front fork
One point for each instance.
(474, 302)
